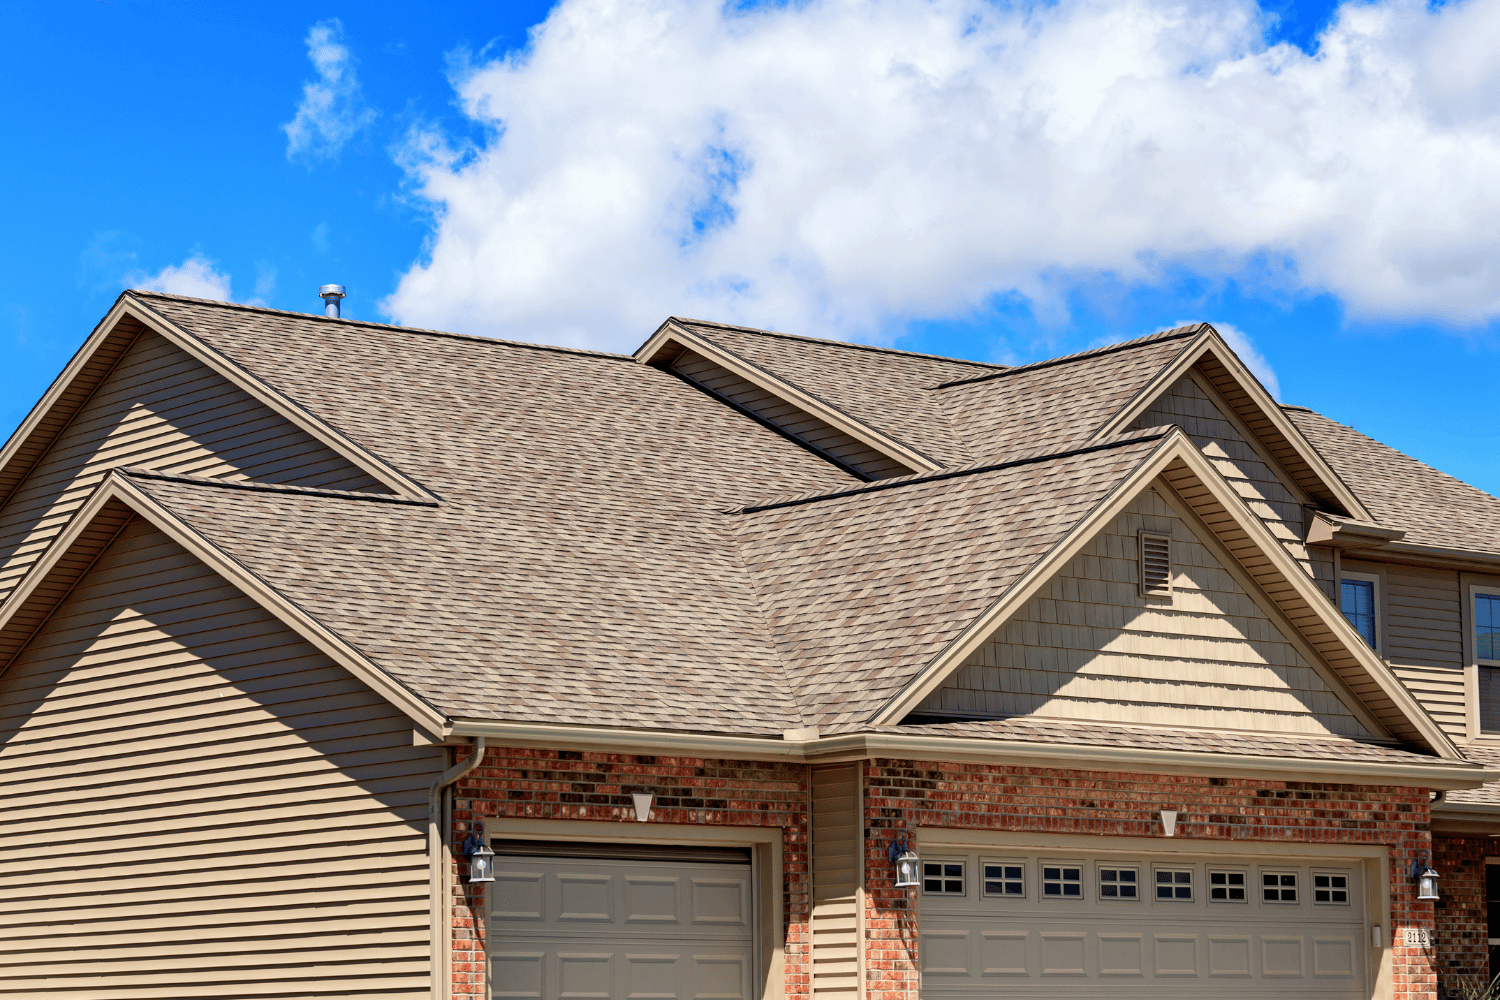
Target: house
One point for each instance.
(1159, 688)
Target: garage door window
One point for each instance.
(1278, 887)
(1330, 889)
(1227, 887)
(1005, 878)
(1062, 881)
(1175, 884)
(945, 877)
(1118, 883)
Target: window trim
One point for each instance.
(1245, 886)
(1192, 883)
(1477, 590)
(1043, 863)
(1348, 890)
(1296, 886)
(1100, 866)
(1377, 601)
(963, 864)
(1469, 585)
(983, 881)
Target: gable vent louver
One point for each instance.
(1156, 564)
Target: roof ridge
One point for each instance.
(425, 331)
(139, 472)
(1176, 333)
(838, 343)
(895, 482)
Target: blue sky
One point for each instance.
(997, 182)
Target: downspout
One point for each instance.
(439, 865)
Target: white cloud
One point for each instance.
(332, 110)
(195, 276)
(840, 166)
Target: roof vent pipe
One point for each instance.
(330, 294)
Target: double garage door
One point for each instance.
(999, 924)
(611, 922)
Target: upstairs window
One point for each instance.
(1487, 627)
(1358, 603)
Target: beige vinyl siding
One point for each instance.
(198, 803)
(1423, 636)
(161, 409)
(836, 844)
(1090, 647)
(791, 419)
(1264, 491)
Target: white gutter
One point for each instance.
(439, 864)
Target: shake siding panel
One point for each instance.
(1424, 640)
(1090, 647)
(797, 422)
(161, 409)
(253, 814)
(1188, 406)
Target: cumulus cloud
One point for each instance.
(195, 276)
(332, 110)
(842, 166)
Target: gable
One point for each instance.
(1192, 404)
(163, 711)
(160, 408)
(1088, 646)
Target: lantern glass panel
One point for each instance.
(906, 870)
(1427, 885)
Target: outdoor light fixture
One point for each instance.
(906, 863)
(1426, 879)
(480, 868)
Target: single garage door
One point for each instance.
(998, 924)
(609, 921)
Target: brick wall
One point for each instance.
(1462, 917)
(903, 795)
(562, 785)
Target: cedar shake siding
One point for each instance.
(198, 803)
(164, 410)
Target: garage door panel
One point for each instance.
(620, 929)
(1047, 926)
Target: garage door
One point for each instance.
(1107, 925)
(602, 921)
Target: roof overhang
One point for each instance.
(671, 333)
(1283, 582)
(862, 746)
(1466, 818)
(109, 508)
(1344, 533)
(1253, 405)
(127, 320)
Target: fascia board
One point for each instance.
(748, 370)
(1307, 588)
(117, 487)
(955, 749)
(64, 379)
(979, 630)
(1210, 342)
(279, 403)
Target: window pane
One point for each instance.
(1487, 625)
(1359, 607)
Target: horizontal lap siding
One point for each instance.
(1424, 640)
(835, 883)
(253, 815)
(789, 418)
(160, 409)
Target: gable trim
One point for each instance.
(127, 306)
(1210, 343)
(1405, 719)
(671, 332)
(117, 492)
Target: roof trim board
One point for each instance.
(1208, 344)
(280, 403)
(117, 492)
(672, 332)
(1405, 720)
(103, 344)
(1440, 773)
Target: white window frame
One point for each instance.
(1011, 862)
(963, 864)
(1043, 864)
(1298, 886)
(1476, 590)
(1140, 883)
(1174, 899)
(1470, 586)
(1348, 890)
(1378, 600)
(1246, 887)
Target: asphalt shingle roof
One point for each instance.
(611, 546)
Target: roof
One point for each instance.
(596, 542)
(1401, 492)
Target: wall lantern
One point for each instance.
(1426, 879)
(906, 864)
(480, 867)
